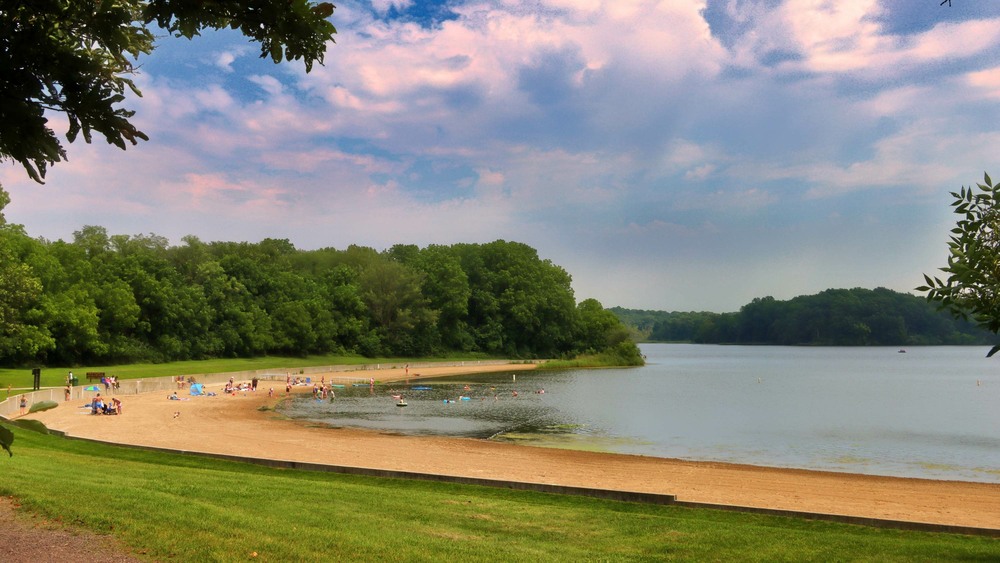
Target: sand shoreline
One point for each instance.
(237, 425)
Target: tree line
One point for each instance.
(835, 317)
(118, 299)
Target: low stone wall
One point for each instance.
(347, 373)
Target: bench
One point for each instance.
(98, 375)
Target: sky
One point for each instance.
(679, 155)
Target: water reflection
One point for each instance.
(476, 407)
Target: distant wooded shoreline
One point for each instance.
(835, 317)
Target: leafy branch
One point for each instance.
(75, 58)
(972, 288)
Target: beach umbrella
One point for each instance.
(91, 388)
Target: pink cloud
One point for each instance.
(839, 37)
(987, 82)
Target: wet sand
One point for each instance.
(237, 425)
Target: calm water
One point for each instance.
(932, 412)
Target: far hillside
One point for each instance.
(835, 317)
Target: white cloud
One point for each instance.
(383, 6)
(738, 200)
(700, 172)
(601, 132)
(987, 82)
(224, 59)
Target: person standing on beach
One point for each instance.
(24, 404)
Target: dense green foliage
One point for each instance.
(835, 317)
(185, 508)
(76, 57)
(126, 299)
(972, 288)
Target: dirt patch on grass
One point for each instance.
(27, 538)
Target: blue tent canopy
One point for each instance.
(196, 389)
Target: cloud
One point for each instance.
(653, 148)
(383, 6)
(700, 172)
(738, 200)
(224, 59)
(987, 82)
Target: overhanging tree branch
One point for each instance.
(76, 58)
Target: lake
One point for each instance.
(932, 412)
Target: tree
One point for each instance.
(522, 305)
(4, 200)
(341, 297)
(598, 328)
(972, 288)
(75, 58)
(20, 292)
(446, 286)
(400, 313)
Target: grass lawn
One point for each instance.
(184, 508)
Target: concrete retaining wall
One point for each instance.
(354, 373)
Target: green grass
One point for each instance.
(584, 362)
(185, 508)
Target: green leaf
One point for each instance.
(76, 58)
(323, 10)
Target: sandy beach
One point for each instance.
(236, 425)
